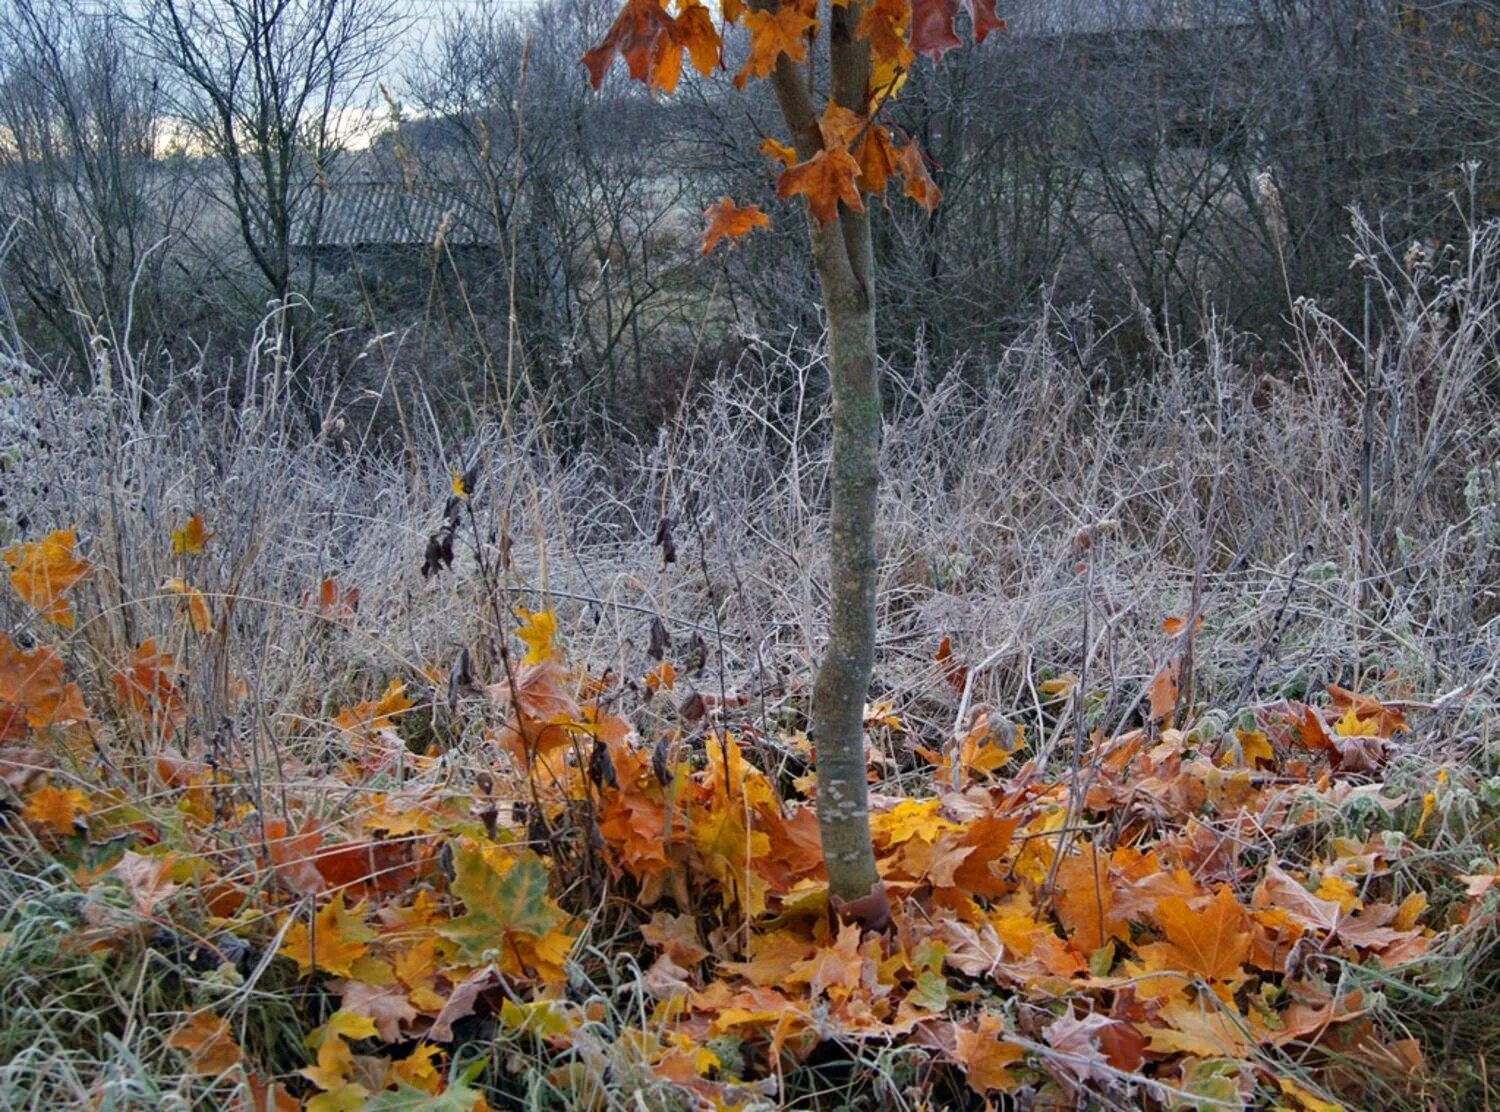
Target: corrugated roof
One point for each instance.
(1098, 17)
(394, 213)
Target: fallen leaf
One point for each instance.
(1212, 941)
(33, 694)
(1162, 694)
(338, 938)
(1076, 1039)
(462, 1001)
(206, 1040)
(386, 1005)
(57, 809)
(43, 571)
(145, 878)
(986, 1058)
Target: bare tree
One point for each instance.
(592, 214)
(80, 180)
(271, 89)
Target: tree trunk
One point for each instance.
(844, 259)
(843, 254)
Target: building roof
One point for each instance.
(384, 213)
(1100, 17)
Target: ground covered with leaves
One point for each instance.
(556, 885)
(348, 770)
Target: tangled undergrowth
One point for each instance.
(570, 883)
(349, 777)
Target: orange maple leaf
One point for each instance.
(199, 615)
(784, 30)
(293, 856)
(825, 179)
(726, 220)
(839, 966)
(1212, 941)
(32, 692)
(335, 601)
(884, 24)
(980, 1048)
(1085, 900)
(59, 809)
(42, 571)
(375, 714)
(878, 161)
(778, 152)
(145, 685)
(1163, 691)
(840, 126)
(208, 1044)
(693, 31)
(919, 184)
(652, 43)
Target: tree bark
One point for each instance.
(843, 678)
(844, 259)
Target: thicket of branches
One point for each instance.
(169, 171)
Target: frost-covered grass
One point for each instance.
(1331, 513)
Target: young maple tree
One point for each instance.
(833, 69)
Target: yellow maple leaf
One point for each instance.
(348, 1097)
(1352, 725)
(726, 845)
(335, 1062)
(190, 538)
(911, 818)
(1059, 686)
(56, 808)
(42, 571)
(419, 1069)
(883, 713)
(1305, 1100)
(1340, 891)
(1409, 911)
(537, 1017)
(1255, 748)
(539, 633)
(338, 938)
